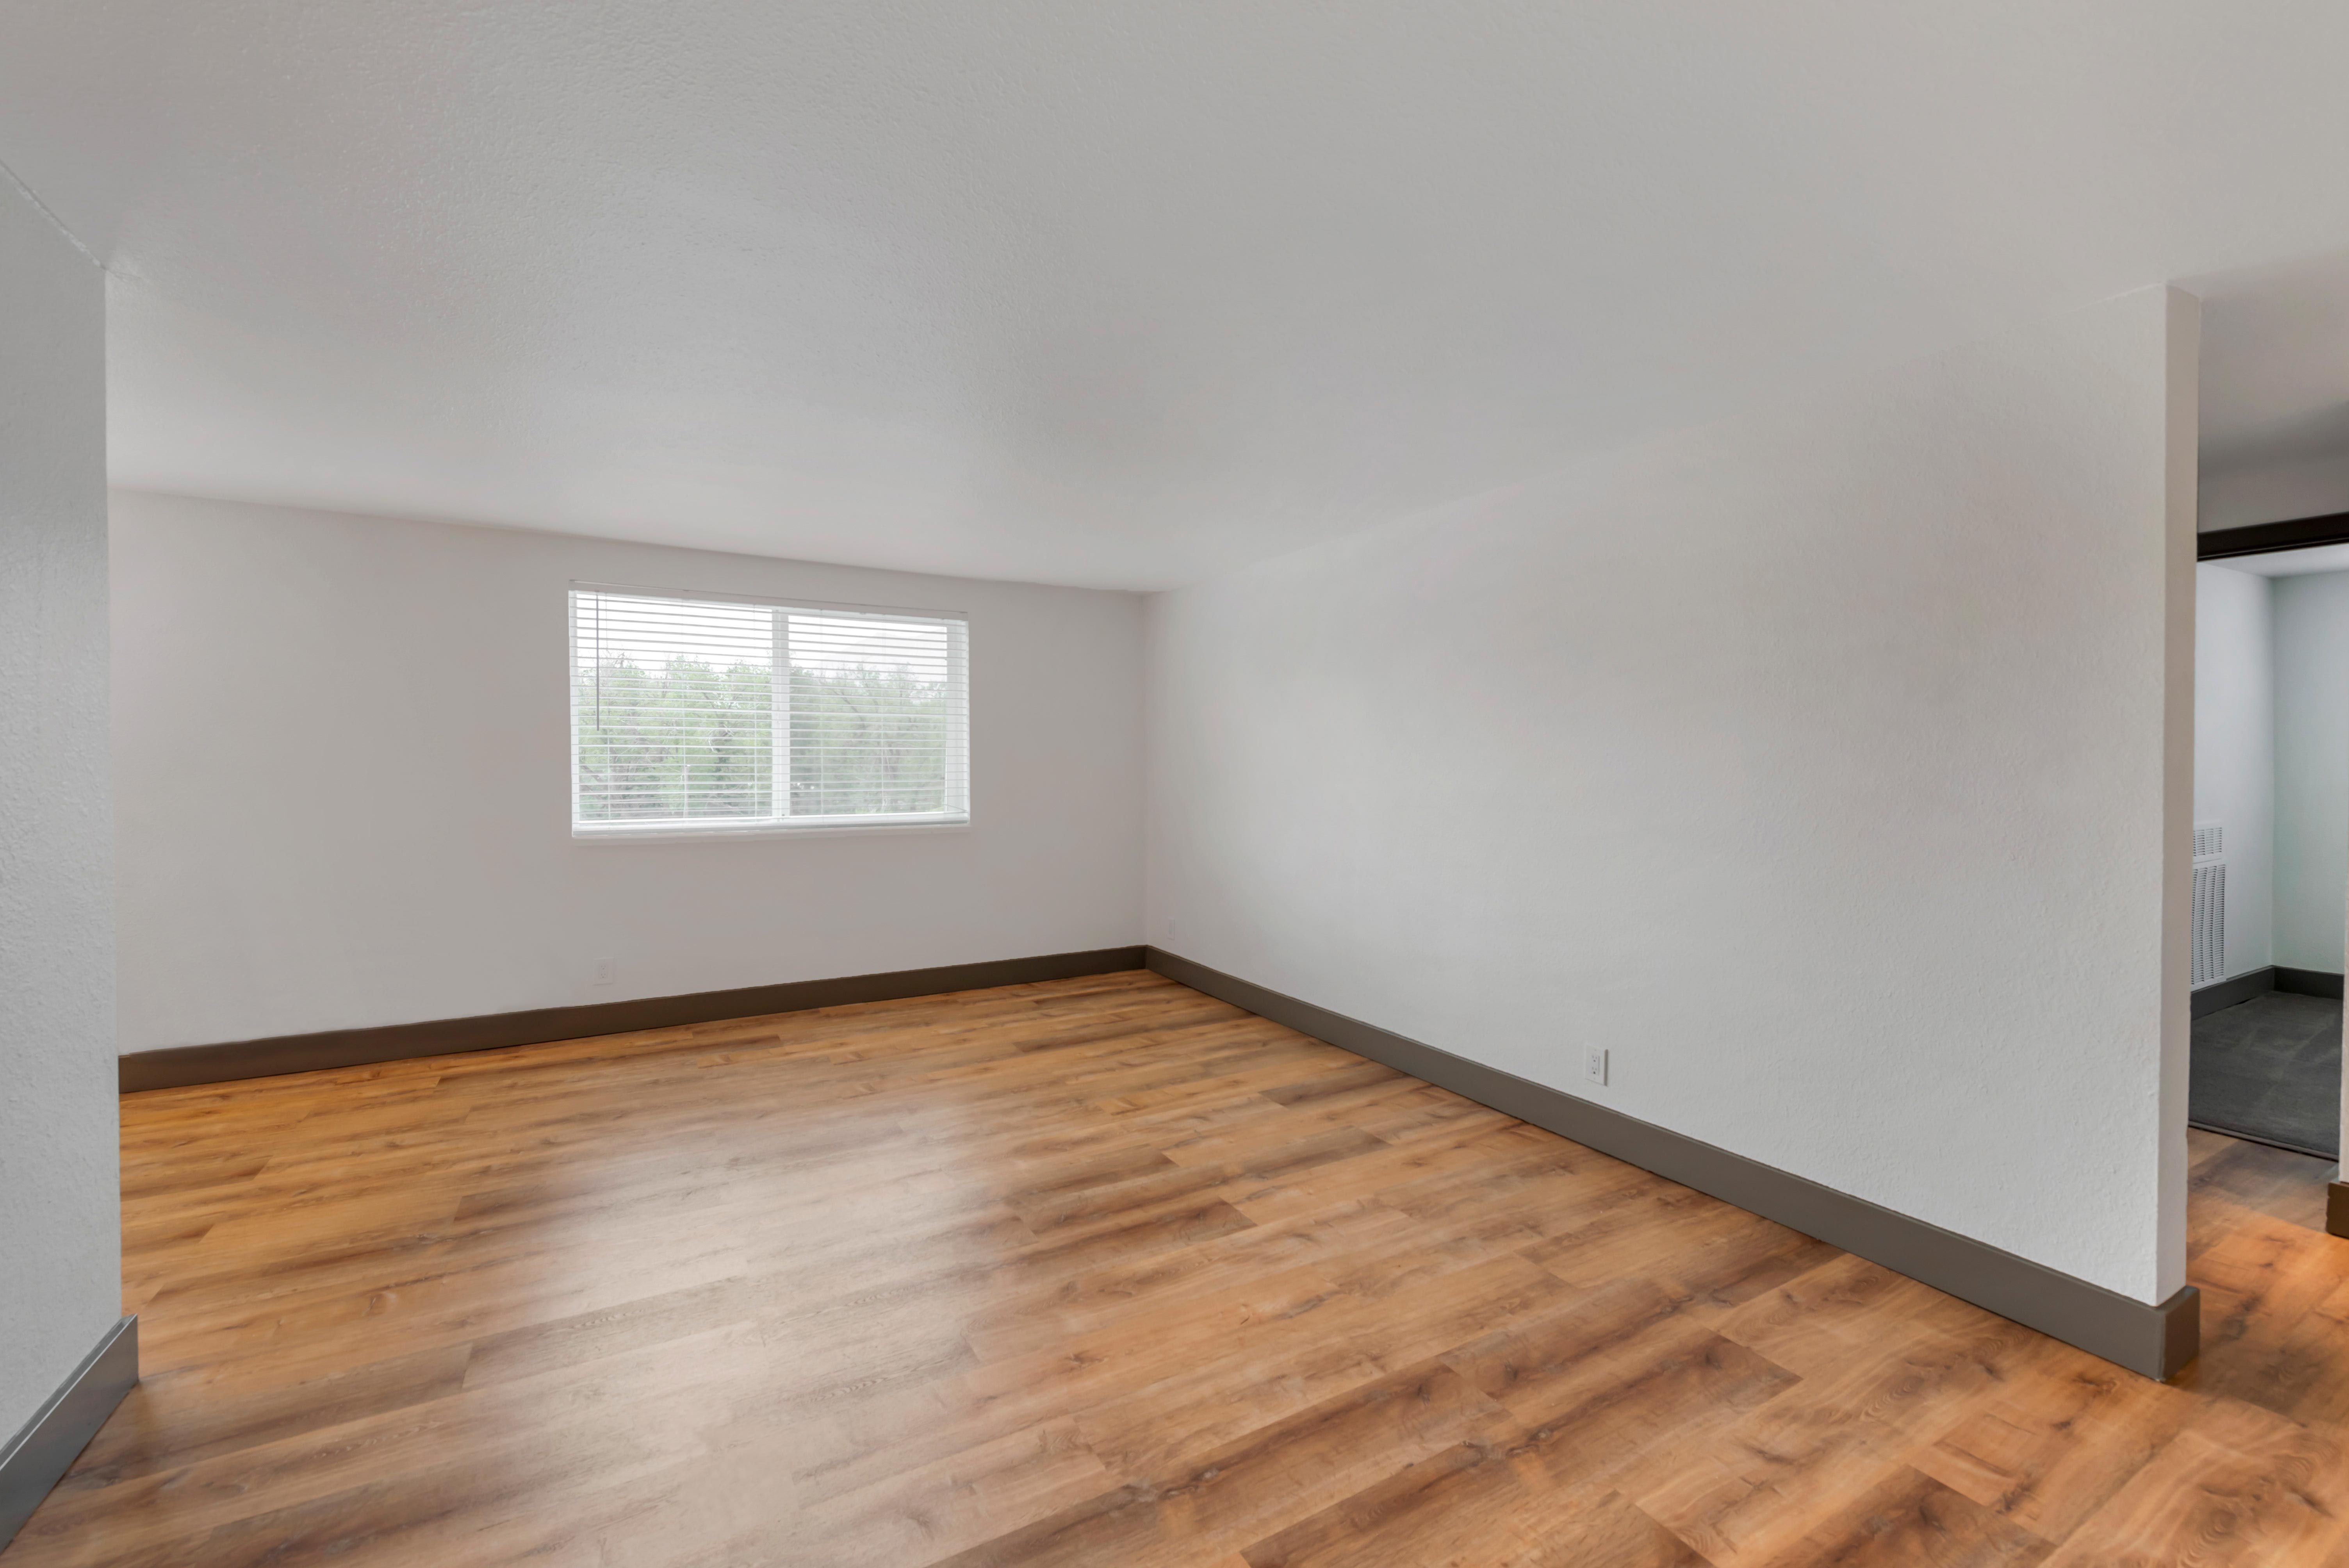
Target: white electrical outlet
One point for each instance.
(1169, 931)
(604, 970)
(1594, 1065)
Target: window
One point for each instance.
(697, 714)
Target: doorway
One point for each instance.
(2270, 905)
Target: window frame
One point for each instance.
(639, 831)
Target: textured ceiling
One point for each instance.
(1109, 292)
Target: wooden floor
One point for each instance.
(1105, 1272)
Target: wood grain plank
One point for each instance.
(1106, 1271)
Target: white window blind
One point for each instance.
(691, 713)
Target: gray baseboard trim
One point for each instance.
(182, 1066)
(2336, 1208)
(2307, 982)
(2157, 1341)
(2223, 993)
(37, 1458)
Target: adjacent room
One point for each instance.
(2270, 844)
(916, 784)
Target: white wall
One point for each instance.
(2235, 749)
(61, 1248)
(2311, 769)
(341, 746)
(1830, 765)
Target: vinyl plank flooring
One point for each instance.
(1105, 1272)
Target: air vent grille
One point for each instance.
(2210, 923)
(2210, 841)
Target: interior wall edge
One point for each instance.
(60, 1152)
(181, 1067)
(37, 1457)
(2155, 1340)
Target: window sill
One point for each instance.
(702, 832)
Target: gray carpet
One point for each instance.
(2269, 1069)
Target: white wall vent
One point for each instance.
(2209, 923)
(2210, 841)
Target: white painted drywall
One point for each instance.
(1831, 766)
(2234, 749)
(60, 1232)
(341, 747)
(2311, 769)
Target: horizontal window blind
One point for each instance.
(712, 713)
